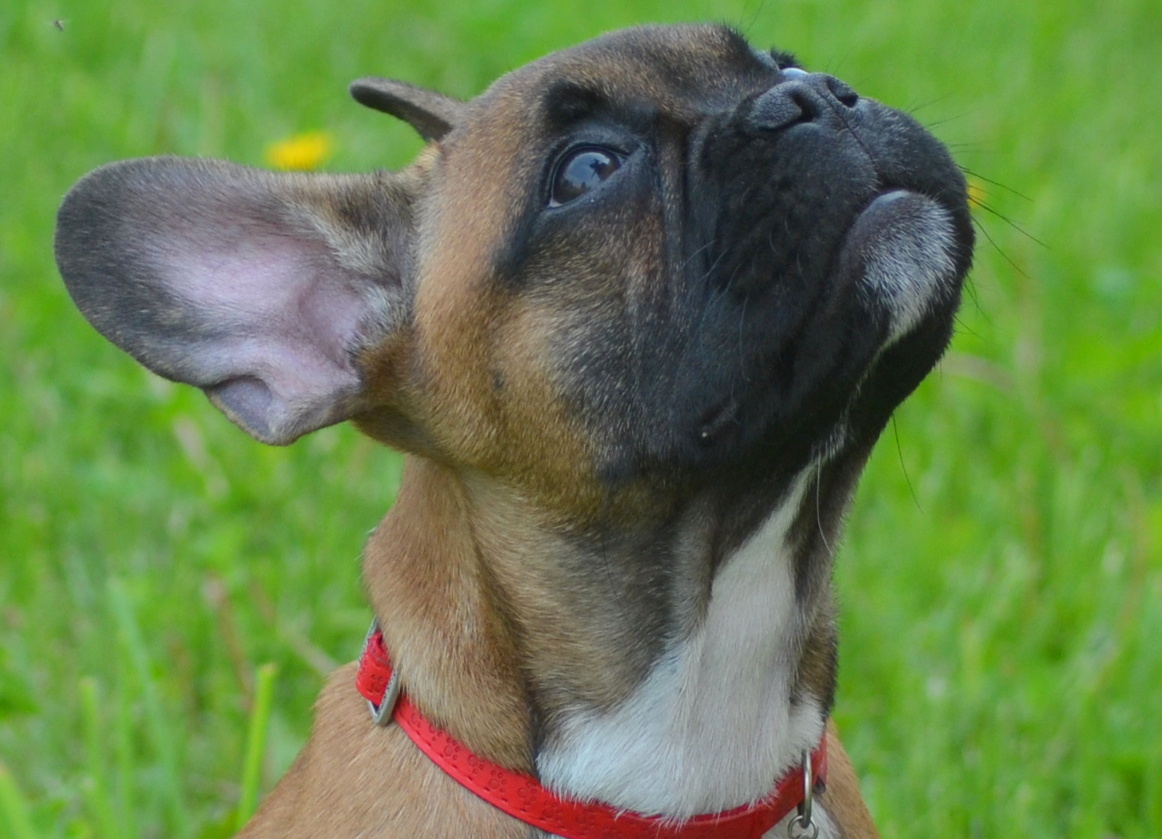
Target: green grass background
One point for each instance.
(1001, 581)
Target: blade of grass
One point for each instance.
(125, 800)
(256, 741)
(14, 818)
(156, 718)
(97, 790)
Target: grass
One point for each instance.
(172, 593)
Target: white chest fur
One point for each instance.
(712, 726)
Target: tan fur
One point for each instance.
(451, 642)
(842, 800)
(354, 779)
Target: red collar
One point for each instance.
(523, 797)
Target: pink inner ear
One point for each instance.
(283, 319)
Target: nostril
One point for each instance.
(784, 105)
(842, 92)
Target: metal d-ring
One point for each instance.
(381, 713)
(801, 825)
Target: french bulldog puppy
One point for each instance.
(637, 315)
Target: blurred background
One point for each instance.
(170, 589)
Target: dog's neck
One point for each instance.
(629, 673)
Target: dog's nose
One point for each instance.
(802, 97)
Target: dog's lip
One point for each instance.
(901, 249)
(887, 194)
(891, 202)
(886, 197)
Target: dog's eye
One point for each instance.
(580, 171)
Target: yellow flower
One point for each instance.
(302, 152)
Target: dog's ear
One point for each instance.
(431, 114)
(259, 288)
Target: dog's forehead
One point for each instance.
(675, 68)
(689, 54)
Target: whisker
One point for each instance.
(819, 506)
(903, 465)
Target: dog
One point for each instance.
(636, 315)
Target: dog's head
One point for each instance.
(661, 259)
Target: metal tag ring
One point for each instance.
(802, 826)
